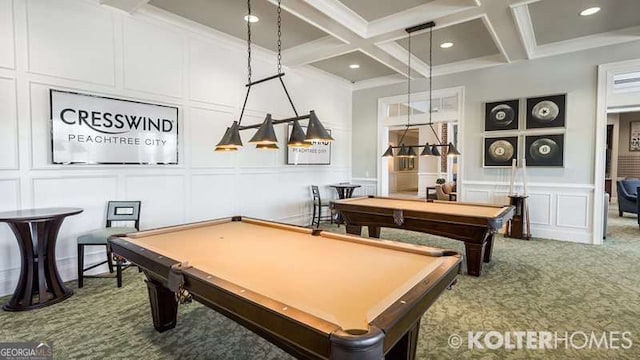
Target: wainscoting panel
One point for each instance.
(571, 211)
(212, 196)
(369, 186)
(149, 53)
(557, 211)
(204, 124)
(9, 190)
(7, 57)
(541, 209)
(163, 198)
(8, 124)
(71, 39)
(208, 70)
(88, 193)
(478, 196)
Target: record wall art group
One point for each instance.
(539, 149)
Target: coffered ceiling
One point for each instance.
(333, 34)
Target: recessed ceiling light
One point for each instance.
(446, 45)
(251, 18)
(589, 11)
(354, 66)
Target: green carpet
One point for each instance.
(537, 285)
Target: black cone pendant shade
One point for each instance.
(426, 151)
(231, 140)
(297, 139)
(411, 152)
(452, 150)
(315, 130)
(435, 151)
(389, 152)
(404, 151)
(265, 133)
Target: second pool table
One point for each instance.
(475, 224)
(315, 294)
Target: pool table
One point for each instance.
(475, 224)
(315, 294)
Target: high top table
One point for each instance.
(36, 231)
(344, 190)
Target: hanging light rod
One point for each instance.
(276, 122)
(265, 79)
(426, 25)
(429, 149)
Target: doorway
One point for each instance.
(446, 118)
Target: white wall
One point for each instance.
(560, 198)
(81, 46)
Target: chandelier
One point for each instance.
(265, 138)
(408, 151)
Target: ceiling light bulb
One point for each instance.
(589, 11)
(251, 18)
(354, 66)
(446, 45)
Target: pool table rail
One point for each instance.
(303, 335)
(477, 232)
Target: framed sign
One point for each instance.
(318, 154)
(545, 150)
(634, 136)
(501, 115)
(500, 151)
(90, 129)
(546, 111)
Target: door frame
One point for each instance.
(605, 78)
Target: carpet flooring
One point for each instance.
(537, 285)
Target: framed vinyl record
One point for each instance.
(501, 115)
(544, 150)
(500, 151)
(546, 111)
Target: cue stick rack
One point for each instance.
(519, 226)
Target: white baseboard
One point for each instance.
(562, 235)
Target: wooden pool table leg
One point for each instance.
(354, 229)
(164, 307)
(405, 348)
(488, 248)
(475, 255)
(374, 231)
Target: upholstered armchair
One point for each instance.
(628, 196)
(443, 191)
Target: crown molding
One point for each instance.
(128, 6)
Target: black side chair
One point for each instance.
(116, 211)
(627, 196)
(317, 208)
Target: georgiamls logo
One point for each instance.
(113, 124)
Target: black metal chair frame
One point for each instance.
(120, 263)
(317, 216)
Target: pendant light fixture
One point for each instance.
(265, 138)
(428, 150)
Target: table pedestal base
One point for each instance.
(39, 284)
